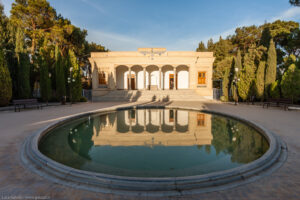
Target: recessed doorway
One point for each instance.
(132, 81)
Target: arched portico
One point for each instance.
(182, 76)
(154, 69)
(120, 74)
(139, 76)
(153, 77)
(168, 77)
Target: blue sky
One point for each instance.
(125, 25)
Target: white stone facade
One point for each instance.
(152, 69)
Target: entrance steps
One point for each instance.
(150, 95)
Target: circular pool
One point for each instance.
(156, 151)
(154, 143)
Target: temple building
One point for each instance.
(153, 127)
(152, 69)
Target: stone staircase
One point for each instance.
(151, 95)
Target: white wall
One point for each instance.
(154, 78)
(140, 77)
(183, 80)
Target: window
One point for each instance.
(102, 78)
(200, 119)
(201, 78)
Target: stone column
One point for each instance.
(129, 80)
(144, 69)
(175, 81)
(149, 80)
(95, 78)
(115, 77)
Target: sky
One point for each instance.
(178, 25)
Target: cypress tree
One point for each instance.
(235, 78)
(260, 80)
(225, 84)
(23, 71)
(238, 66)
(45, 81)
(270, 76)
(247, 77)
(60, 75)
(5, 81)
(210, 45)
(238, 61)
(201, 47)
(76, 88)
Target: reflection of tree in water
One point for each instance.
(80, 137)
(240, 141)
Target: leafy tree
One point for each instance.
(5, 81)
(280, 31)
(291, 59)
(201, 47)
(293, 43)
(24, 90)
(60, 75)
(221, 68)
(222, 49)
(290, 83)
(295, 2)
(271, 67)
(35, 17)
(76, 87)
(260, 80)
(246, 37)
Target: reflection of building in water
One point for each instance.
(152, 127)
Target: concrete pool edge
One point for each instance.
(58, 173)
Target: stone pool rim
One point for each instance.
(37, 162)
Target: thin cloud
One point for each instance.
(290, 14)
(115, 41)
(94, 5)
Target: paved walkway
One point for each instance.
(16, 181)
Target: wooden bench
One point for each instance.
(278, 102)
(22, 103)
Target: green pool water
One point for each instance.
(154, 143)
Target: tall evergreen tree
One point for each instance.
(260, 80)
(210, 45)
(5, 81)
(247, 76)
(238, 61)
(76, 87)
(201, 47)
(60, 75)
(23, 70)
(225, 84)
(271, 67)
(45, 81)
